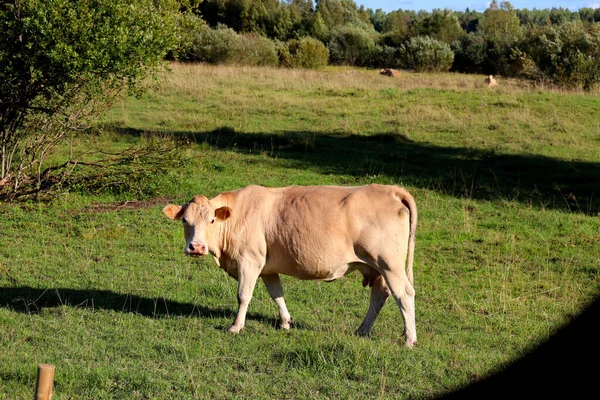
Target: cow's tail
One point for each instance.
(409, 202)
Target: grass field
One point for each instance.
(508, 242)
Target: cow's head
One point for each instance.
(199, 219)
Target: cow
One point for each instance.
(308, 232)
(490, 81)
(389, 72)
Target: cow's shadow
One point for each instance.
(33, 300)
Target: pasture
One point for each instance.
(508, 242)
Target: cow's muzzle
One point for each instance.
(196, 249)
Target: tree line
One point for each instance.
(554, 46)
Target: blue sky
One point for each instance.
(479, 5)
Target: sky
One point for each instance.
(478, 5)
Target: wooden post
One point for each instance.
(45, 381)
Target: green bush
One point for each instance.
(213, 46)
(308, 52)
(188, 24)
(62, 64)
(470, 53)
(253, 49)
(499, 56)
(283, 54)
(224, 46)
(567, 55)
(383, 57)
(423, 53)
(349, 45)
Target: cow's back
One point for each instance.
(315, 232)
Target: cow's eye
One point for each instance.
(184, 221)
(212, 221)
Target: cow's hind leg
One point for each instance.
(379, 295)
(273, 284)
(404, 293)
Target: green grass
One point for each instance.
(508, 245)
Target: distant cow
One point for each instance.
(314, 232)
(490, 81)
(389, 72)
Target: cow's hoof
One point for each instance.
(363, 332)
(285, 325)
(235, 329)
(410, 343)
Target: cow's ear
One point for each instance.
(173, 211)
(223, 213)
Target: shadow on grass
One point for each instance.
(572, 186)
(33, 300)
(566, 366)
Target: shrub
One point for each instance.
(499, 56)
(283, 54)
(308, 52)
(423, 53)
(392, 39)
(383, 57)
(213, 46)
(350, 45)
(188, 24)
(253, 49)
(470, 53)
(62, 64)
(566, 55)
(224, 46)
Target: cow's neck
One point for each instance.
(223, 229)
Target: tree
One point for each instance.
(586, 15)
(470, 53)
(317, 27)
(63, 63)
(331, 12)
(502, 31)
(441, 25)
(501, 21)
(301, 15)
(398, 27)
(356, 16)
(469, 20)
(559, 16)
(565, 55)
(377, 18)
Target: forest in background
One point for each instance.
(64, 63)
(551, 46)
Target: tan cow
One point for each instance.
(490, 81)
(389, 72)
(314, 232)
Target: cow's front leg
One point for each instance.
(247, 276)
(273, 284)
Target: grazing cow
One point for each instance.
(313, 232)
(389, 72)
(490, 81)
